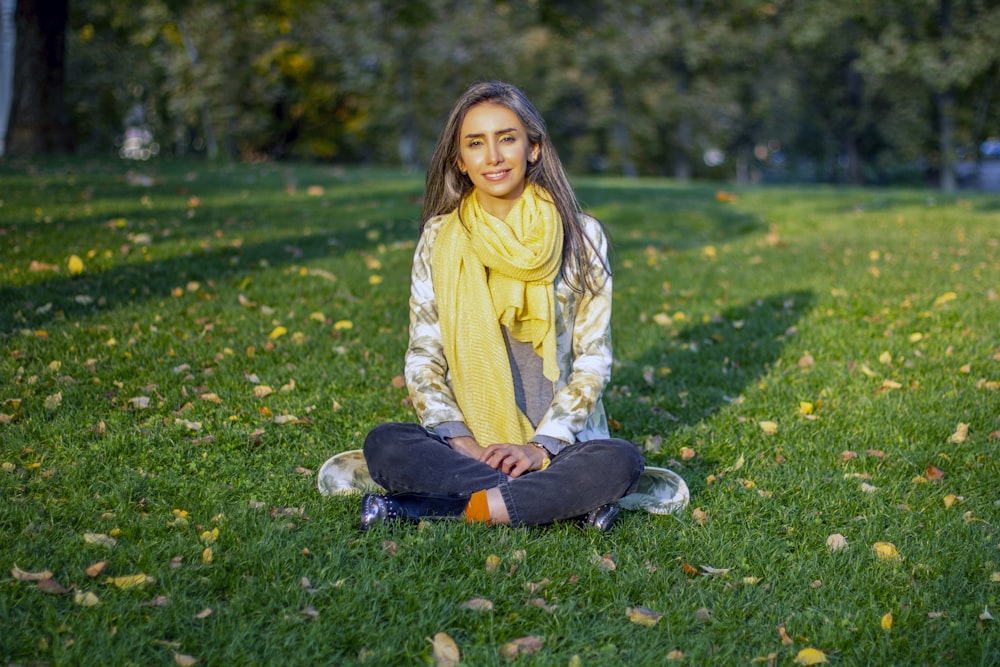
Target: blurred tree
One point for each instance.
(38, 120)
(942, 51)
(645, 87)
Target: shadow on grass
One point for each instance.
(710, 364)
(665, 215)
(128, 284)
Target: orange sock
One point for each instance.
(478, 509)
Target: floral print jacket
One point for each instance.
(583, 348)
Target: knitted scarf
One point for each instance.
(489, 272)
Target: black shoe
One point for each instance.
(602, 518)
(379, 508)
(376, 508)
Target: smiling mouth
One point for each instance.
(496, 175)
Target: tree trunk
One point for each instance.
(38, 119)
(7, 37)
(682, 149)
(855, 96)
(946, 108)
(621, 130)
(207, 127)
(946, 133)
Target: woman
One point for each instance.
(510, 348)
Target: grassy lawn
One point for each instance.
(815, 362)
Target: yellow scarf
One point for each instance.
(491, 272)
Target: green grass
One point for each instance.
(727, 314)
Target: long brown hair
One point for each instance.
(446, 185)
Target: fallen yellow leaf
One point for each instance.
(885, 550)
(960, 435)
(85, 598)
(700, 516)
(492, 563)
(675, 655)
(317, 317)
(75, 265)
(945, 298)
(768, 427)
(343, 324)
(278, 332)
(129, 581)
(950, 500)
(184, 660)
(207, 555)
(887, 622)
(810, 656)
(806, 408)
(262, 391)
(643, 616)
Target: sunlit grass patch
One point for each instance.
(815, 362)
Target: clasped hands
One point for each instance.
(510, 459)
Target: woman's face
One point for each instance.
(494, 151)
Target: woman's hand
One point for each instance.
(513, 460)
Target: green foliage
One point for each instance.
(731, 309)
(785, 90)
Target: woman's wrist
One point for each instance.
(545, 460)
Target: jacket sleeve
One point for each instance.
(425, 367)
(586, 366)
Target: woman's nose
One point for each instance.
(495, 155)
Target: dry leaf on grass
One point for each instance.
(810, 656)
(99, 539)
(96, 568)
(605, 562)
(129, 581)
(52, 587)
(520, 646)
(643, 616)
(836, 542)
(885, 550)
(477, 604)
(446, 652)
(700, 516)
(960, 435)
(18, 574)
(768, 427)
(85, 598)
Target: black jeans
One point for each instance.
(407, 458)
